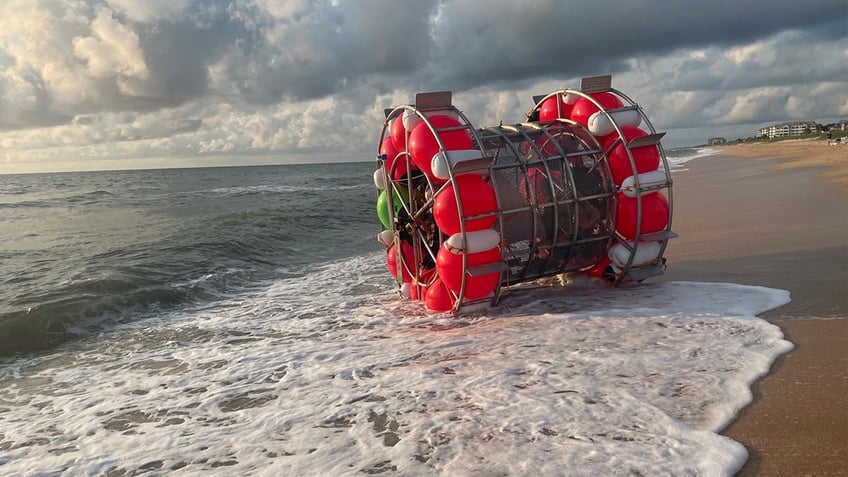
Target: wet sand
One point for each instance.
(776, 215)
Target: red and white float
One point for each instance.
(583, 186)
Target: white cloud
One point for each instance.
(762, 53)
(112, 50)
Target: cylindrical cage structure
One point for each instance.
(582, 186)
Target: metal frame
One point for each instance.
(567, 147)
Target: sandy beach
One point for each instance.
(776, 215)
(831, 160)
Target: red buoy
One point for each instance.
(423, 144)
(421, 283)
(655, 214)
(601, 269)
(548, 109)
(449, 266)
(395, 164)
(408, 260)
(583, 108)
(647, 158)
(477, 198)
(437, 297)
(398, 133)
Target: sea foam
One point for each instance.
(331, 373)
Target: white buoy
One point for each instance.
(386, 237)
(599, 123)
(653, 180)
(443, 162)
(478, 241)
(646, 252)
(379, 179)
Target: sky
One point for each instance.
(128, 84)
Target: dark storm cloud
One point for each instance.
(265, 52)
(323, 49)
(178, 55)
(492, 42)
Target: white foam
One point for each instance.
(269, 189)
(677, 158)
(332, 374)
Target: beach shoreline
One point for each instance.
(830, 158)
(776, 215)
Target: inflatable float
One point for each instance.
(583, 186)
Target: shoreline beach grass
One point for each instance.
(776, 215)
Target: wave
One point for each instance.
(93, 197)
(82, 306)
(122, 247)
(231, 254)
(26, 204)
(270, 189)
(679, 156)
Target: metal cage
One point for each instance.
(556, 204)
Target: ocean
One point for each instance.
(242, 321)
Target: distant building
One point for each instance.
(716, 141)
(838, 126)
(795, 128)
